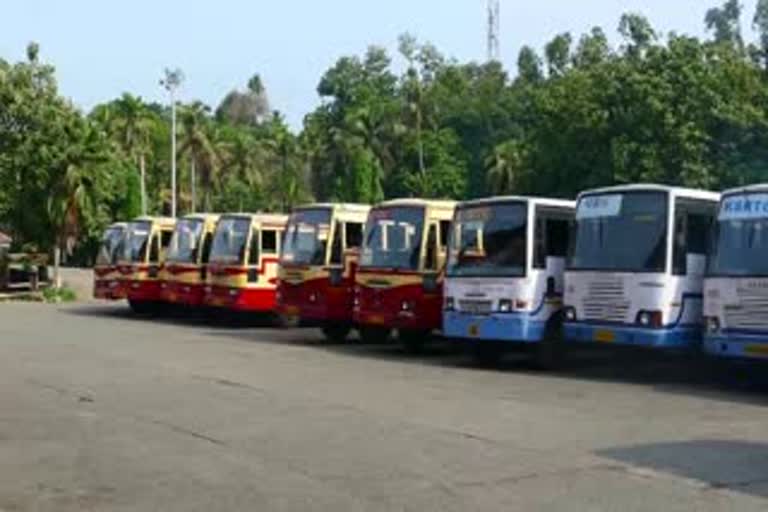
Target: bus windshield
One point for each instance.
(489, 240)
(110, 245)
(740, 244)
(185, 241)
(229, 241)
(621, 232)
(306, 237)
(135, 247)
(393, 238)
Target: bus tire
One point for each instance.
(140, 307)
(374, 335)
(414, 340)
(548, 352)
(487, 354)
(336, 333)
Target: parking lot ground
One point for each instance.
(103, 411)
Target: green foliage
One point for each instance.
(59, 295)
(577, 114)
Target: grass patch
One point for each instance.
(57, 296)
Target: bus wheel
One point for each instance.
(548, 352)
(336, 333)
(414, 340)
(374, 335)
(140, 307)
(487, 355)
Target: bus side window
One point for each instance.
(693, 224)
(354, 235)
(551, 239)
(445, 229)
(253, 249)
(165, 242)
(432, 249)
(269, 242)
(337, 248)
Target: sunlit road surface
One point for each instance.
(101, 411)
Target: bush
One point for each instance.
(56, 296)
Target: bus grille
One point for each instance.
(752, 311)
(605, 301)
(476, 307)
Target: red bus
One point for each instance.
(107, 284)
(242, 269)
(317, 278)
(184, 273)
(399, 284)
(144, 248)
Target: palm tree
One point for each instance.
(73, 194)
(198, 145)
(132, 125)
(506, 167)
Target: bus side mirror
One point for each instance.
(253, 275)
(430, 283)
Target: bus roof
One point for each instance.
(162, 221)
(749, 189)
(654, 187)
(350, 207)
(118, 225)
(278, 219)
(545, 201)
(432, 203)
(203, 216)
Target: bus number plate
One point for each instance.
(605, 336)
(757, 350)
(474, 331)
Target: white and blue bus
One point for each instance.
(736, 286)
(504, 284)
(635, 274)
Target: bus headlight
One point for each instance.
(712, 324)
(406, 306)
(570, 314)
(450, 304)
(505, 305)
(649, 318)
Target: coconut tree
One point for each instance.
(198, 145)
(506, 167)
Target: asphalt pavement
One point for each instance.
(100, 410)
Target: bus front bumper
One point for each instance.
(513, 328)
(611, 334)
(737, 345)
(241, 299)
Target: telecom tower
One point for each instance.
(494, 29)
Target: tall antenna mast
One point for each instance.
(494, 29)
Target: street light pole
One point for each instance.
(171, 82)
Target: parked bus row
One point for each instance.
(642, 265)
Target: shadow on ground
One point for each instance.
(736, 465)
(674, 373)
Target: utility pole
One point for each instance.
(171, 82)
(494, 30)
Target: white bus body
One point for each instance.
(736, 286)
(505, 269)
(636, 272)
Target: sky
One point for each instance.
(103, 48)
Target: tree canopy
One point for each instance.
(576, 114)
